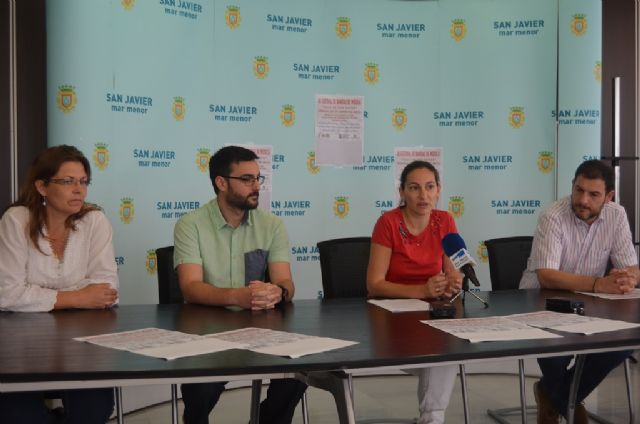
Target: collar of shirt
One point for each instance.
(218, 220)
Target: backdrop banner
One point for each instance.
(150, 90)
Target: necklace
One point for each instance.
(59, 244)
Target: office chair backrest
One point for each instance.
(168, 285)
(343, 263)
(507, 260)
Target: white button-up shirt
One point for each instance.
(566, 243)
(30, 281)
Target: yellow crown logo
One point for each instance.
(482, 252)
(399, 118)
(260, 67)
(126, 210)
(66, 98)
(371, 73)
(128, 4)
(288, 115)
(232, 17)
(545, 162)
(101, 156)
(597, 71)
(311, 163)
(341, 207)
(458, 29)
(516, 117)
(202, 159)
(151, 264)
(456, 206)
(343, 27)
(178, 108)
(579, 25)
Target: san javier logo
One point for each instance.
(151, 264)
(126, 210)
(202, 159)
(545, 162)
(343, 27)
(66, 98)
(128, 4)
(371, 73)
(579, 25)
(399, 118)
(178, 108)
(311, 163)
(341, 206)
(232, 17)
(456, 206)
(516, 117)
(482, 253)
(597, 71)
(260, 67)
(288, 115)
(101, 156)
(458, 29)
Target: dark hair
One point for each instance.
(46, 164)
(417, 164)
(596, 170)
(221, 161)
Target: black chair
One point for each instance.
(169, 293)
(343, 265)
(507, 261)
(168, 285)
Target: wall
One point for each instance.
(149, 91)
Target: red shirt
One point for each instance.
(413, 258)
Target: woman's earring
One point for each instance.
(44, 201)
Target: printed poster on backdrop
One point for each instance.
(265, 162)
(339, 130)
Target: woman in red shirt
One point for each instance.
(407, 261)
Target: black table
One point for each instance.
(37, 351)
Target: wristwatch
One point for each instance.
(285, 295)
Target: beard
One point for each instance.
(243, 203)
(584, 213)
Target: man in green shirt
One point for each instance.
(223, 253)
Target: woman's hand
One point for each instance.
(436, 286)
(92, 296)
(454, 283)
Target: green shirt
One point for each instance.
(230, 257)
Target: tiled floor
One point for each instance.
(395, 396)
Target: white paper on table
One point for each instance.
(304, 347)
(190, 348)
(280, 343)
(159, 343)
(489, 329)
(401, 305)
(633, 294)
(571, 323)
(139, 339)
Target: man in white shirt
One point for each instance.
(575, 240)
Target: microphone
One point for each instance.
(456, 250)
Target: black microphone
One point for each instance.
(456, 250)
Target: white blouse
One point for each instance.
(30, 281)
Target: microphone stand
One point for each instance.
(465, 290)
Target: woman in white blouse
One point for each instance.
(56, 252)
